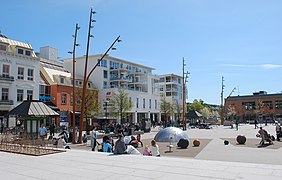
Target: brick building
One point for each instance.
(260, 106)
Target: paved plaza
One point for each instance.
(212, 160)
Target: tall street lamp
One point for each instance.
(85, 80)
(184, 80)
(73, 84)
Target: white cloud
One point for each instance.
(270, 66)
(263, 66)
(234, 65)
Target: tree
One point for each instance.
(92, 106)
(120, 104)
(196, 105)
(206, 112)
(166, 108)
(178, 110)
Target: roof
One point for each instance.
(17, 43)
(33, 108)
(193, 114)
(255, 96)
(97, 56)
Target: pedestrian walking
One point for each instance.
(52, 129)
(262, 134)
(278, 130)
(93, 138)
(42, 132)
(256, 124)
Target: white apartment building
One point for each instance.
(113, 73)
(171, 87)
(19, 76)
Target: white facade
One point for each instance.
(137, 80)
(171, 87)
(19, 75)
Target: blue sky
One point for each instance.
(240, 40)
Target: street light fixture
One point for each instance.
(85, 80)
(73, 87)
(184, 80)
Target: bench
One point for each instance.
(170, 146)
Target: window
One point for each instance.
(6, 70)
(71, 99)
(20, 95)
(27, 52)
(137, 103)
(20, 73)
(130, 102)
(162, 80)
(105, 85)
(20, 51)
(268, 104)
(29, 94)
(144, 103)
(64, 98)
(5, 94)
(3, 47)
(62, 80)
(278, 104)
(150, 103)
(249, 106)
(155, 104)
(30, 74)
(105, 74)
(103, 63)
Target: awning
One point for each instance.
(33, 108)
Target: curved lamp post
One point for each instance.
(85, 80)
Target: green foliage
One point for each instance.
(196, 105)
(92, 107)
(166, 107)
(120, 104)
(206, 112)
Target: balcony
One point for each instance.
(6, 102)
(6, 77)
(123, 79)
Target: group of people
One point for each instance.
(121, 147)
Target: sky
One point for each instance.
(240, 40)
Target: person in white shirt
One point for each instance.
(61, 142)
(155, 149)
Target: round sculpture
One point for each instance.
(196, 142)
(226, 142)
(183, 143)
(241, 139)
(171, 134)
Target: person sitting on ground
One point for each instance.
(139, 139)
(61, 142)
(133, 142)
(147, 151)
(120, 145)
(155, 149)
(107, 147)
(84, 138)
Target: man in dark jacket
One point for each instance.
(120, 145)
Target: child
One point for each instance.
(147, 151)
(155, 149)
